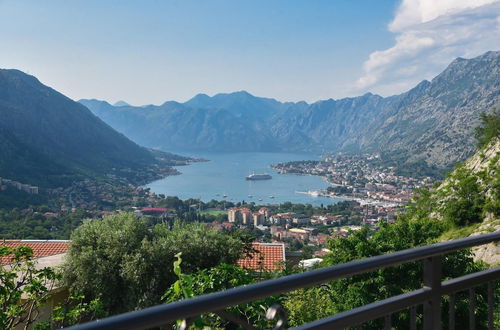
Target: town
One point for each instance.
(359, 177)
(304, 229)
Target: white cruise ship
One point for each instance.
(254, 176)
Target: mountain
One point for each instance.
(223, 122)
(120, 104)
(435, 120)
(432, 123)
(49, 140)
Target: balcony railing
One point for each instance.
(429, 295)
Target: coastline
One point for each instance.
(321, 192)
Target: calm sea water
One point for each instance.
(224, 174)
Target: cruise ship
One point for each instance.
(254, 176)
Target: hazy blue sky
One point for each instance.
(152, 51)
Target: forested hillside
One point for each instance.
(47, 139)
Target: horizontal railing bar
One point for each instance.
(397, 303)
(161, 314)
(468, 281)
(371, 311)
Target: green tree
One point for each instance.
(23, 287)
(72, 311)
(120, 261)
(219, 278)
(488, 129)
(462, 198)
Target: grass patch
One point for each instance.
(214, 213)
(459, 232)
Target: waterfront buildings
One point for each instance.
(245, 216)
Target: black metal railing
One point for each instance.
(429, 296)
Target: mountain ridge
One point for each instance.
(50, 140)
(430, 123)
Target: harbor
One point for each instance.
(223, 177)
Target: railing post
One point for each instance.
(432, 280)
(491, 292)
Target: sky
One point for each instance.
(148, 52)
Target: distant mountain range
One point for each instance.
(432, 123)
(49, 140)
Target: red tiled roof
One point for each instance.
(40, 248)
(320, 253)
(269, 257)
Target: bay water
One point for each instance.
(224, 175)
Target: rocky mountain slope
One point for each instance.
(431, 123)
(486, 164)
(435, 120)
(467, 201)
(49, 140)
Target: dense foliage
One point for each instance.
(309, 304)
(306, 305)
(74, 310)
(29, 225)
(464, 198)
(11, 198)
(121, 261)
(488, 129)
(219, 278)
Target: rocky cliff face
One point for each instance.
(487, 161)
(435, 120)
(432, 122)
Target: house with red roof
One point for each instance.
(266, 257)
(41, 248)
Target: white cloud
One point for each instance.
(412, 12)
(429, 35)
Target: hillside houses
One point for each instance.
(4, 183)
(289, 218)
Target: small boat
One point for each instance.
(271, 196)
(224, 195)
(313, 193)
(260, 199)
(250, 196)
